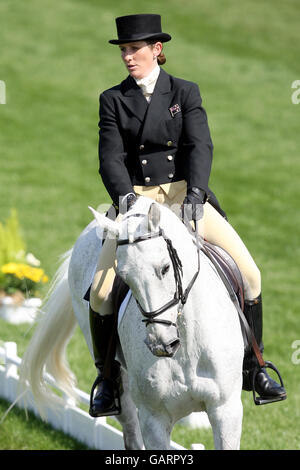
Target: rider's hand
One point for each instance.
(192, 207)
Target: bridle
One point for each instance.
(180, 295)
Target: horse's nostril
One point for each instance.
(175, 343)
(172, 347)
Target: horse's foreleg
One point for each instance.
(129, 419)
(156, 429)
(226, 422)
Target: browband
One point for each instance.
(147, 236)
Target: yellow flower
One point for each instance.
(10, 268)
(21, 271)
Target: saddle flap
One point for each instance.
(229, 268)
(118, 294)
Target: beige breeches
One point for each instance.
(213, 227)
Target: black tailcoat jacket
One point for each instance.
(148, 144)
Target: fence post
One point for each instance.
(11, 371)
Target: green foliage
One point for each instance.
(12, 249)
(15, 273)
(12, 284)
(12, 244)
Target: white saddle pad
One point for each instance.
(123, 306)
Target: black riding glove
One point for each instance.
(127, 202)
(192, 207)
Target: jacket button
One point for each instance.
(170, 175)
(170, 157)
(142, 147)
(144, 162)
(147, 179)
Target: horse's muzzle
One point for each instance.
(164, 350)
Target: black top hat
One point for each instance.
(139, 28)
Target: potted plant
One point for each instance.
(21, 276)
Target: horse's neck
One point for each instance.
(188, 254)
(202, 309)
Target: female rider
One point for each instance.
(155, 141)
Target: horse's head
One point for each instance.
(149, 264)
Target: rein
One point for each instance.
(180, 295)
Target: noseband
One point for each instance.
(180, 296)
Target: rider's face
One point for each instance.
(140, 57)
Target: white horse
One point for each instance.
(187, 354)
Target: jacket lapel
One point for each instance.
(133, 98)
(160, 101)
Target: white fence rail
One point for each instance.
(94, 432)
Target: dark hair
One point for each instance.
(161, 59)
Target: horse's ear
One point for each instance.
(105, 223)
(153, 217)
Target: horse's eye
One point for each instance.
(165, 269)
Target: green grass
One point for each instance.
(55, 60)
(21, 432)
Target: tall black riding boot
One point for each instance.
(106, 386)
(267, 388)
